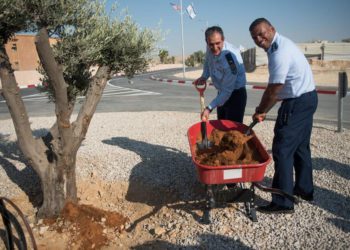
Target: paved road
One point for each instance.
(150, 95)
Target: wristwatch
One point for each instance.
(209, 108)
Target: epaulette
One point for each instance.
(274, 47)
(231, 63)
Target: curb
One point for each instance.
(30, 86)
(320, 91)
(170, 80)
(174, 81)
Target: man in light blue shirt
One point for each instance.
(290, 81)
(224, 64)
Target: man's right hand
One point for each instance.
(259, 117)
(199, 81)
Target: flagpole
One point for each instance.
(182, 38)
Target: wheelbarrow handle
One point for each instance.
(276, 191)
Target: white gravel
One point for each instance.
(152, 147)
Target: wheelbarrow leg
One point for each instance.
(250, 204)
(210, 203)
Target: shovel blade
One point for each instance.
(205, 143)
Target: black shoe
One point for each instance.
(306, 197)
(273, 208)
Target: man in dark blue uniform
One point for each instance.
(290, 81)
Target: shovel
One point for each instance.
(249, 129)
(247, 133)
(205, 143)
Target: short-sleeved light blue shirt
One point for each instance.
(225, 78)
(288, 66)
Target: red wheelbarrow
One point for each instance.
(215, 176)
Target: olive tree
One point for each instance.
(86, 37)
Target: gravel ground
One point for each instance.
(152, 148)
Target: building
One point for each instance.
(22, 52)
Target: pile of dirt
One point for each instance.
(87, 225)
(229, 148)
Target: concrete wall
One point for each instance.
(332, 51)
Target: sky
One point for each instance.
(299, 20)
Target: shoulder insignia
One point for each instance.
(231, 63)
(274, 47)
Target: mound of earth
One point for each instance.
(228, 148)
(87, 225)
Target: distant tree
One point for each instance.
(172, 59)
(346, 40)
(199, 57)
(195, 59)
(163, 55)
(87, 37)
(190, 61)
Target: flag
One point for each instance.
(190, 11)
(175, 6)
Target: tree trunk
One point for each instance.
(54, 156)
(59, 186)
(17, 110)
(55, 169)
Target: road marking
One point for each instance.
(110, 90)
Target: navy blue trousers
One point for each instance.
(234, 107)
(291, 147)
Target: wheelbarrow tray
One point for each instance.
(228, 173)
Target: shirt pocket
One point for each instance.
(219, 72)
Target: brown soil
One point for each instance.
(87, 224)
(128, 216)
(228, 148)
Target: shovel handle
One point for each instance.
(251, 126)
(200, 86)
(201, 99)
